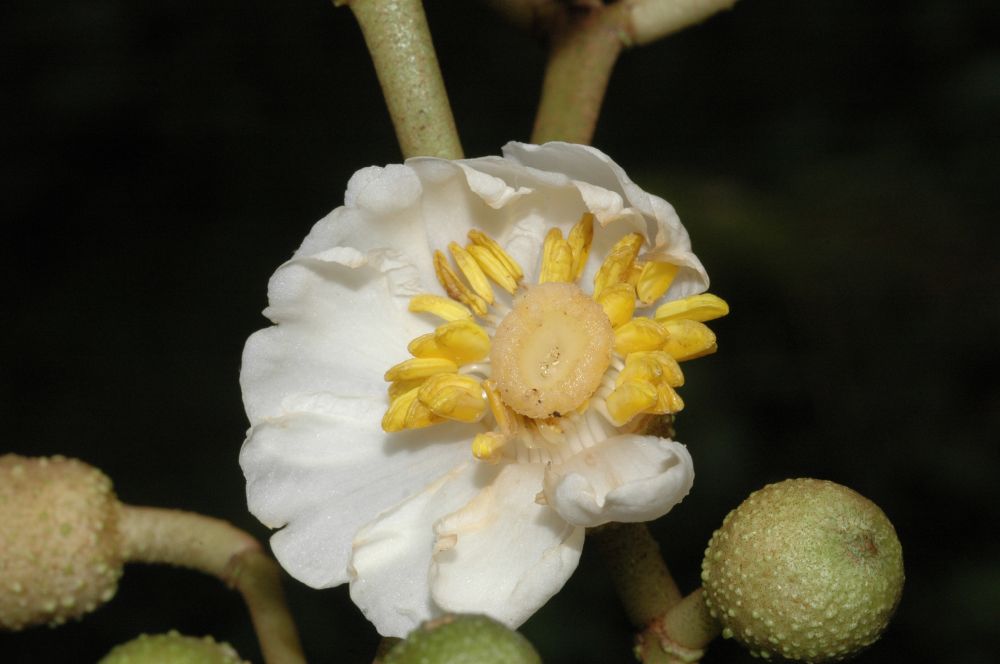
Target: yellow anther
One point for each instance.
(505, 418)
(493, 267)
(473, 273)
(654, 280)
(617, 263)
(488, 446)
(442, 307)
(634, 272)
(462, 341)
(688, 339)
(426, 346)
(667, 400)
(483, 240)
(618, 302)
(454, 397)
(455, 288)
(580, 237)
(406, 412)
(699, 308)
(639, 334)
(420, 367)
(401, 387)
(669, 371)
(557, 259)
(630, 399)
(640, 367)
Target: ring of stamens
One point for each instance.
(559, 370)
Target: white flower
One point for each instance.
(517, 423)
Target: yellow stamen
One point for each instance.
(483, 240)
(473, 273)
(493, 267)
(639, 334)
(426, 346)
(580, 237)
(406, 412)
(667, 370)
(617, 262)
(460, 341)
(420, 367)
(441, 307)
(618, 302)
(463, 341)
(455, 288)
(488, 446)
(557, 259)
(401, 387)
(667, 401)
(654, 281)
(454, 397)
(688, 339)
(699, 308)
(505, 418)
(630, 399)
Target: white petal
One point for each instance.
(626, 478)
(504, 554)
(589, 165)
(326, 475)
(392, 555)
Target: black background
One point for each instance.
(834, 161)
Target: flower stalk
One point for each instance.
(584, 48)
(400, 45)
(215, 547)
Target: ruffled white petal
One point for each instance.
(503, 554)
(626, 478)
(392, 555)
(323, 475)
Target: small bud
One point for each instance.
(60, 549)
(804, 569)
(463, 640)
(173, 648)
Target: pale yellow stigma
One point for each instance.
(551, 351)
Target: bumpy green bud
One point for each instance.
(60, 549)
(172, 648)
(804, 569)
(463, 640)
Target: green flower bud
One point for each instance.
(60, 549)
(172, 648)
(463, 640)
(804, 569)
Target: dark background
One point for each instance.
(834, 161)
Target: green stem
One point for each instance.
(399, 41)
(584, 48)
(641, 578)
(681, 635)
(215, 547)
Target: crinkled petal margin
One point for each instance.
(627, 478)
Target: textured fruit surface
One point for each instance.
(60, 552)
(463, 640)
(172, 648)
(804, 569)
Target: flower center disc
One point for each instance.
(551, 351)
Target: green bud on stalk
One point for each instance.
(463, 640)
(172, 648)
(804, 569)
